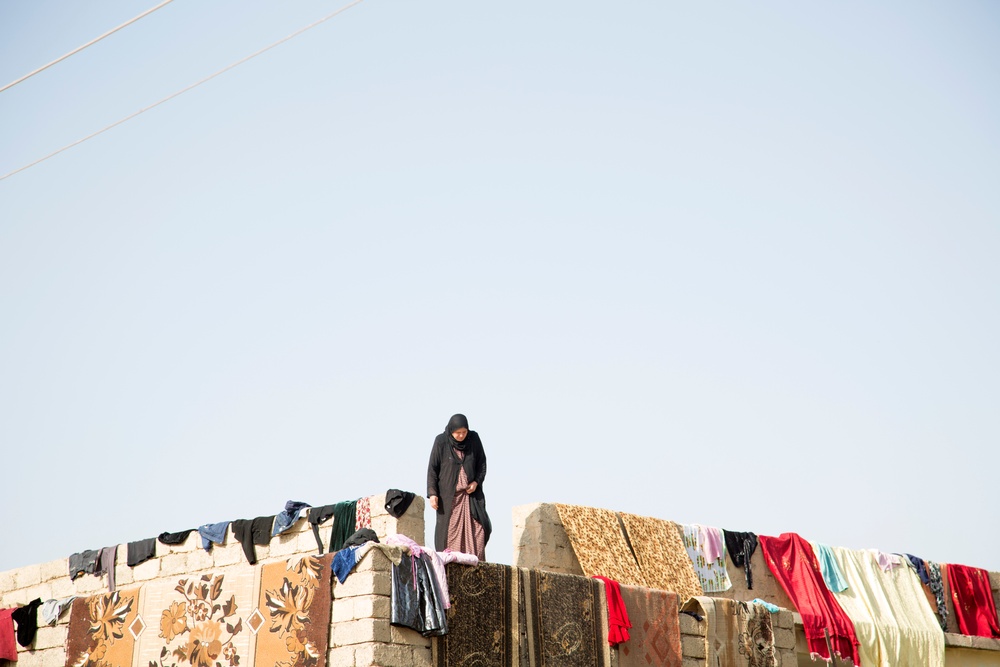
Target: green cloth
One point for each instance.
(344, 520)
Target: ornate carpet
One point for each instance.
(655, 634)
(739, 634)
(246, 616)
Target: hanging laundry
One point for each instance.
(972, 596)
(892, 620)
(27, 622)
(107, 556)
(554, 602)
(702, 540)
(360, 537)
(920, 567)
(486, 612)
(887, 561)
(599, 544)
(345, 560)
(936, 584)
(8, 647)
(449, 556)
(288, 516)
(738, 633)
(793, 563)
(618, 620)
(53, 609)
(663, 561)
(741, 547)
(140, 551)
(655, 639)
(251, 533)
(174, 538)
(773, 608)
(318, 515)
(397, 502)
(84, 562)
(363, 513)
(832, 575)
(416, 602)
(344, 520)
(213, 533)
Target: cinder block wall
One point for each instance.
(360, 635)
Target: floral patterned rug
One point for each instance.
(272, 614)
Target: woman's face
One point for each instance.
(460, 434)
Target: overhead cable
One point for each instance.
(81, 48)
(184, 90)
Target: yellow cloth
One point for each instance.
(663, 560)
(599, 544)
(894, 622)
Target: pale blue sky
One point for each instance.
(720, 264)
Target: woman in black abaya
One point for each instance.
(455, 477)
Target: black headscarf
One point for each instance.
(456, 422)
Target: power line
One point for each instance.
(81, 48)
(184, 90)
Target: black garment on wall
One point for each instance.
(741, 547)
(140, 551)
(318, 515)
(175, 538)
(250, 532)
(27, 622)
(84, 562)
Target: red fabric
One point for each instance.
(618, 623)
(974, 608)
(8, 649)
(794, 565)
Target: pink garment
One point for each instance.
(710, 540)
(888, 561)
(398, 540)
(8, 649)
(437, 565)
(449, 556)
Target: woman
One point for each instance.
(455, 477)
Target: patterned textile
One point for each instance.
(663, 561)
(738, 633)
(599, 545)
(713, 575)
(937, 588)
(465, 533)
(564, 620)
(483, 621)
(278, 613)
(363, 514)
(656, 632)
(892, 620)
(793, 563)
(975, 610)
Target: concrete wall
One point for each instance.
(540, 541)
(359, 637)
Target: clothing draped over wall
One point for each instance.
(706, 547)
(793, 563)
(655, 636)
(739, 634)
(892, 620)
(972, 596)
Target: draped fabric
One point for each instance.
(892, 619)
(793, 562)
(663, 560)
(832, 575)
(599, 545)
(706, 548)
(563, 620)
(656, 633)
(972, 596)
(741, 546)
(936, 584)
(618, 619)
(483, 624)
(738, 634)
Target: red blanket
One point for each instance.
(974, 608)
(794, 565)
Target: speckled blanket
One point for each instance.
(599, 544)
(662, 558)
(241, 615)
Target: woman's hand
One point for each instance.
(471, 488)
(434, 502)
